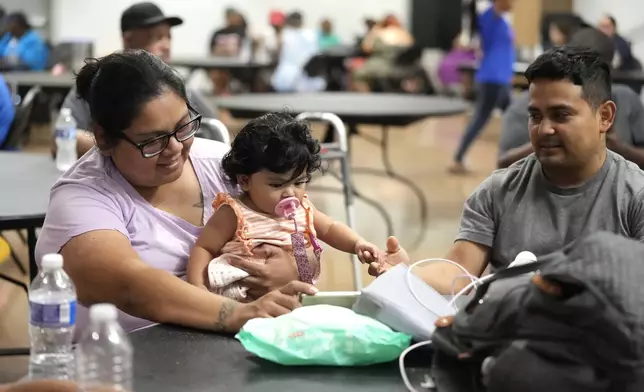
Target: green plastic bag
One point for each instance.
(322, 335)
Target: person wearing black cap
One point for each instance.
(143, 26)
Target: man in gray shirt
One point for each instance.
(571, 186)
(627, 135)
(143, 26)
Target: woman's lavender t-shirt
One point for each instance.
(93, 195)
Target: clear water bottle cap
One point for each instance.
(51, 262)
(103, 312)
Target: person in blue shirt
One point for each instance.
(495, 73)
(7, 110)
(21, 47)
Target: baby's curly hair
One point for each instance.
(275, 142)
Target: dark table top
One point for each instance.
(42, 79)
(25, 182)
(341, 51)
(212, 62)
(356, 108)
(520, 68)
(175, 359)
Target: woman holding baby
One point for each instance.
(128, 214)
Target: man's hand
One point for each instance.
(394, 255)
(276, 268)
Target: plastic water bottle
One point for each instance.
(52, 306)
(104, 353)
(65, 140)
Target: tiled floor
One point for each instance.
(422, 152)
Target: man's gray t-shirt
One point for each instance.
(629, 120)
(80, 108)
(517, 209)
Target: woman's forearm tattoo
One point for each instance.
(226, 309)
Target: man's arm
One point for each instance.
(634, 152)
(472, 248)
(470, 255)
(631, 153)
(514, 155)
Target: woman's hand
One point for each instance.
(394, 255)
(273, 304)
(276, 269)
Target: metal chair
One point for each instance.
(338, 150)
(214, 129)
(20, 124)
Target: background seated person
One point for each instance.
(7, 110)
(626, 136)
(570, 187)
(382, 44)
(21, 47)
(562, 30)
(327, 39)
(127, 214)
(143, 26)
(297, 46)
(227, 42)
(624, 60)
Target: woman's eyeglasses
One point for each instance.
(153, 147)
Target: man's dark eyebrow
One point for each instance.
(560, 107)
(153, 134)
(532, 108)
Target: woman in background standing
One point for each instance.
(495, 73)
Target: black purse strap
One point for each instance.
(505, 274)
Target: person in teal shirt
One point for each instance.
(327, 38)
(21, 47)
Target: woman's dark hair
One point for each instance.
(275, 142)
(118, 85)
(567, 25)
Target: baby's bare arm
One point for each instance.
(218, 231)
(335, 234)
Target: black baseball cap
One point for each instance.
(145, 15)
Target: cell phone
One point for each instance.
(344, 299)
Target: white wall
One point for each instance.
(98, 20)
(628, 14)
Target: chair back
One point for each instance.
(213, 129)
(20, 124)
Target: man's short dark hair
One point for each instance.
(612, 20)
(594, 39)
(582, 67)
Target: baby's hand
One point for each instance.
(367, 252)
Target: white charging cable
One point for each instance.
(522, 258)
(466, 273)
(429, 383)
